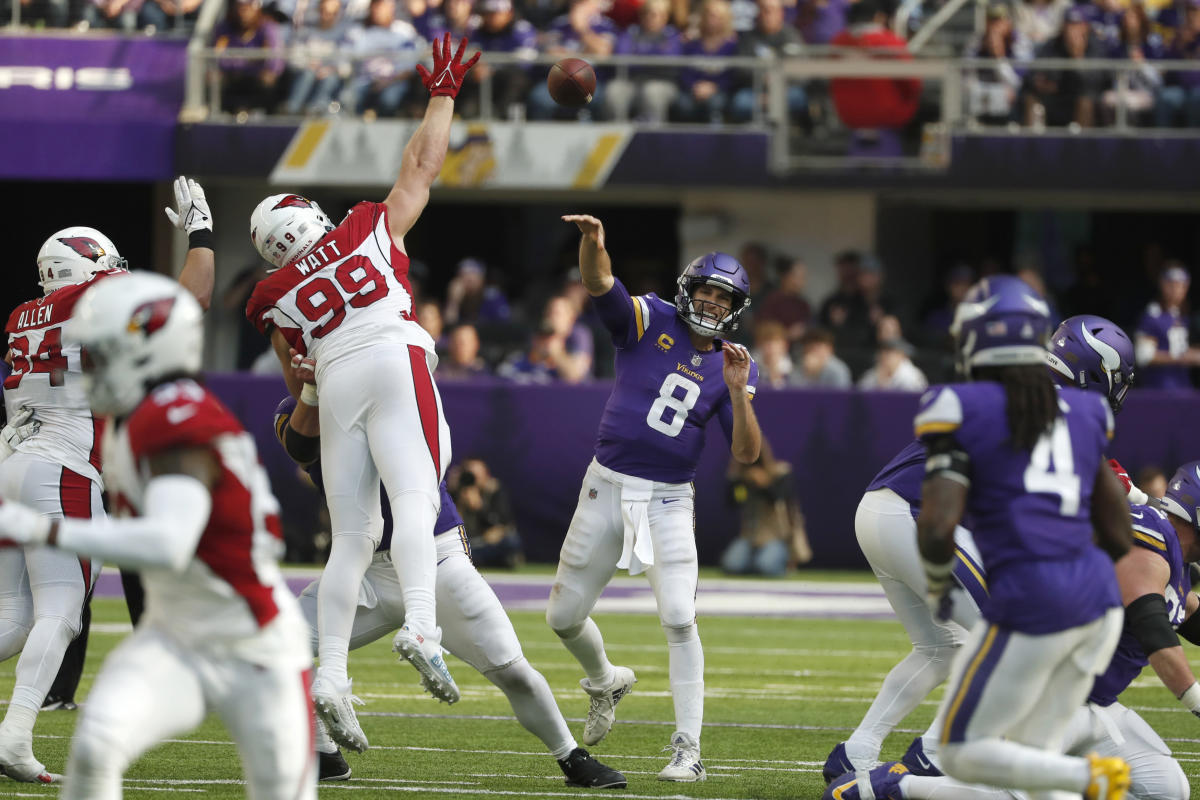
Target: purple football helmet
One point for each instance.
(715, 269)
(1001, 322)
(1090, 352)
(1183, 494)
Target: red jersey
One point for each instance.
(875, 102)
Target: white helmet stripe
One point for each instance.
(1109, 357)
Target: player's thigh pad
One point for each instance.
(474, 625)
(589, 553)
(674, 574)
(351, 480)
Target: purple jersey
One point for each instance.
(1169, 330)
(903, 475)
(1153, 531)
(665, 391)
(1030, 510)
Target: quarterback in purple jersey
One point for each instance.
(1025, 459)
(474, 625)
(635, 512)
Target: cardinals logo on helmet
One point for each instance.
(151, 316)
(88, 248)
(292, 201)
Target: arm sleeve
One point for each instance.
(625, 317)
(176, 510)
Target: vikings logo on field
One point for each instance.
(88, 248)
(150, 316)
(293, 201)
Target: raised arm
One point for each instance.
(595, 267)
(426, 150)
(746, 441)
(194, 218)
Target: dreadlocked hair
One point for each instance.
(1031, 401)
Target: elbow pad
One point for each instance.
(304, 450)
(945, 458)
(1190, 628)
(1147, 620)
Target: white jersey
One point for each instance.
(350, 292)
(231, 599)
(46, 377)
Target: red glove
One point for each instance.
(1121, 474)
(447, 76)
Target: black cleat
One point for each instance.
(332, 767)
(53, 703)
(583, 770)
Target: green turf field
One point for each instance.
(780, 693)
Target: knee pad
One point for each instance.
(677, 613)
(514, 677)
(681, 634)
(564, 612)
(1171, 784)
(940, 657)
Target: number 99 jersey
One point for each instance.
(665, 393)
(348, 292)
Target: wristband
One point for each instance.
(308, 395)
(1191, 699)
(1136, 496)
(937, 575)
(201, 237)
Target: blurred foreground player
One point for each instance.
(475, 627)
(221, 631)
(635, 508)
(341, 295)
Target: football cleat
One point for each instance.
(918, 762)
(602, 709)
(1110, 778)
(335, 707)
(332, 766)
(18, 763)
(685, 765)
(583, 770)
(426, 656)
(55, 704)
(837, 764)
(884, 781)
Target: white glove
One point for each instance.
(19, 428)
(23, 525)
(193, 214)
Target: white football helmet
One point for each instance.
(134, 330)
(286, 226)
(73, 255)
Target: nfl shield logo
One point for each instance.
(591, 494)
(696, 359)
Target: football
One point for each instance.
(572, 82)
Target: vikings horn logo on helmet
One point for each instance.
(150, 316)
(293, 201)
(88, 248)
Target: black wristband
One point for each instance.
(200, 238)
(1146, 618)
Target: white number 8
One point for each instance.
(678, 406)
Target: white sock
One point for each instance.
(908, 683)
(998, 762)
(533, 703)
(916, 787)
(337, 601)
(19, 720)
(414, 556)
(588, 648)
(687, 678)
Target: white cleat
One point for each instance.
(602, 710)
(685, 765)
(335, 708)
(426, 656)
(18, 763)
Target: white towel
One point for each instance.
(637, 553)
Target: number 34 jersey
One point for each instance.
(665, 393)
(349, 292)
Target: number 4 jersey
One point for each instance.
(666, 391)
(45, 376)
(349, 292)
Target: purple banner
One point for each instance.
(539, 439)
(90, 108)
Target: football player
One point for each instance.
(475, 627)
(221, 631)
(1087, 352)
(341, 295)
(635, 508)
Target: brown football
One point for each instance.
(572, 82)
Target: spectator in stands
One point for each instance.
(787, 304)
(881, 106)
(821, 20)
(1151, 480)
(52, 13)
(541, 13)
(501, 31)
(462, 360)
(247, 83)
(454, 18)
(1062, 97)
(317, 71)
(992, 91)
(487, 515)
(771, 353)
(769, 38)
(538, 364)
(582, 31)
(1180, 101)
(705, 88)
(649, 91)
(1136, 41)
(1040, 21)
(469, 298)
(165, 15)
(429, 317)
(1033, 276)
(937, 322)
(1161, 341)
(391, 48)
(772, 536)
(819, 367)
(422, 13)
(562, 316)
(894, 370)
(119, 14)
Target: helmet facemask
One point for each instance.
(708, 316)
